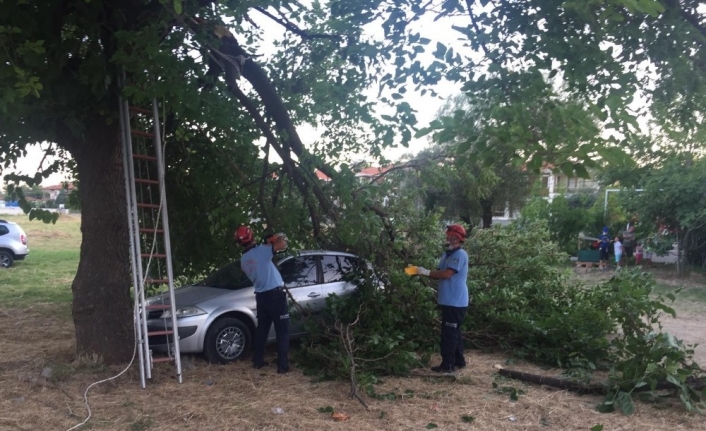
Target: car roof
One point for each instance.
(314, 253)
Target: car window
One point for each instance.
(4, 230)
(338, 268)
(230, 277)
(299, 271)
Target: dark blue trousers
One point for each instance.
(452, 336)
(272, 309)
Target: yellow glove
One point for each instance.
(416, 270)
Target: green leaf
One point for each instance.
(440, 50)
(625, 404)
(581, 171)
(431, 426)
(568, 169)
(177, 7)
(467, 418)
(597, 427)
(606, 407)
(327, 409)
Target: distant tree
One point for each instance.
(673, 203)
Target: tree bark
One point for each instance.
(102, 307)
(487, 208)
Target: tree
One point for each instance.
(674, 201)
(59, 63)
(58, 84)
(477, 181)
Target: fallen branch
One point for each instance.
(553, 382)
(693, 383)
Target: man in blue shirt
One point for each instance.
(603, 248)
(452, 297)
(270, 296)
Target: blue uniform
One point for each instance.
(257, 265)
(271, 303)
(453, 299)
(454, 291)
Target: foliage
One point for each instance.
(672, 207)
(59, 63)
(522, 301)
(642, 355)
(474, 183)
(394, 325)
(566, 217)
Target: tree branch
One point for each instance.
(296, 30)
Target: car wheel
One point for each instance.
(6, 260)
(227, 340)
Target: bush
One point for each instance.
(522, 301)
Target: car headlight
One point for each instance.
(183, 312)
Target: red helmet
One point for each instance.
(243, 235)
(456, 230)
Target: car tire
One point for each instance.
(6, 259)
(227, 339)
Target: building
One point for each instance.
(52, 192)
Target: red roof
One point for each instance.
(322, 176)
(59, 187)
(372, 172)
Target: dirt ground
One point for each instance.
(236, 397)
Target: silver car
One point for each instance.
(218, 315)
(13, 243)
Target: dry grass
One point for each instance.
(236, 397)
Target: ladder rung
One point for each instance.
(144, 157)
(158, 255)
(144, 181)
(158, 307)
(141, 133)
(157, 280)
(165, 332)
(162, 359)
(140, 110)
(155, 206)
(147, 230)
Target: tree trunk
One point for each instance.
(683, 256)
(102, 307)
(487, 208)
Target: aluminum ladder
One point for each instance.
(150, 249)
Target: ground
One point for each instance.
(39, 338)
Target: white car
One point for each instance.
(218, 315)
(13, 243)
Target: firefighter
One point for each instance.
(452, 297)
(270, 296)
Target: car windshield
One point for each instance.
(230, 277)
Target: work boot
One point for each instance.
(257, 366)
(444, 370)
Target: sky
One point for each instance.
(426, 106)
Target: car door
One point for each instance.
(336, 269)
(301, 276)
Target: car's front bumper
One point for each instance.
(188, 328)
